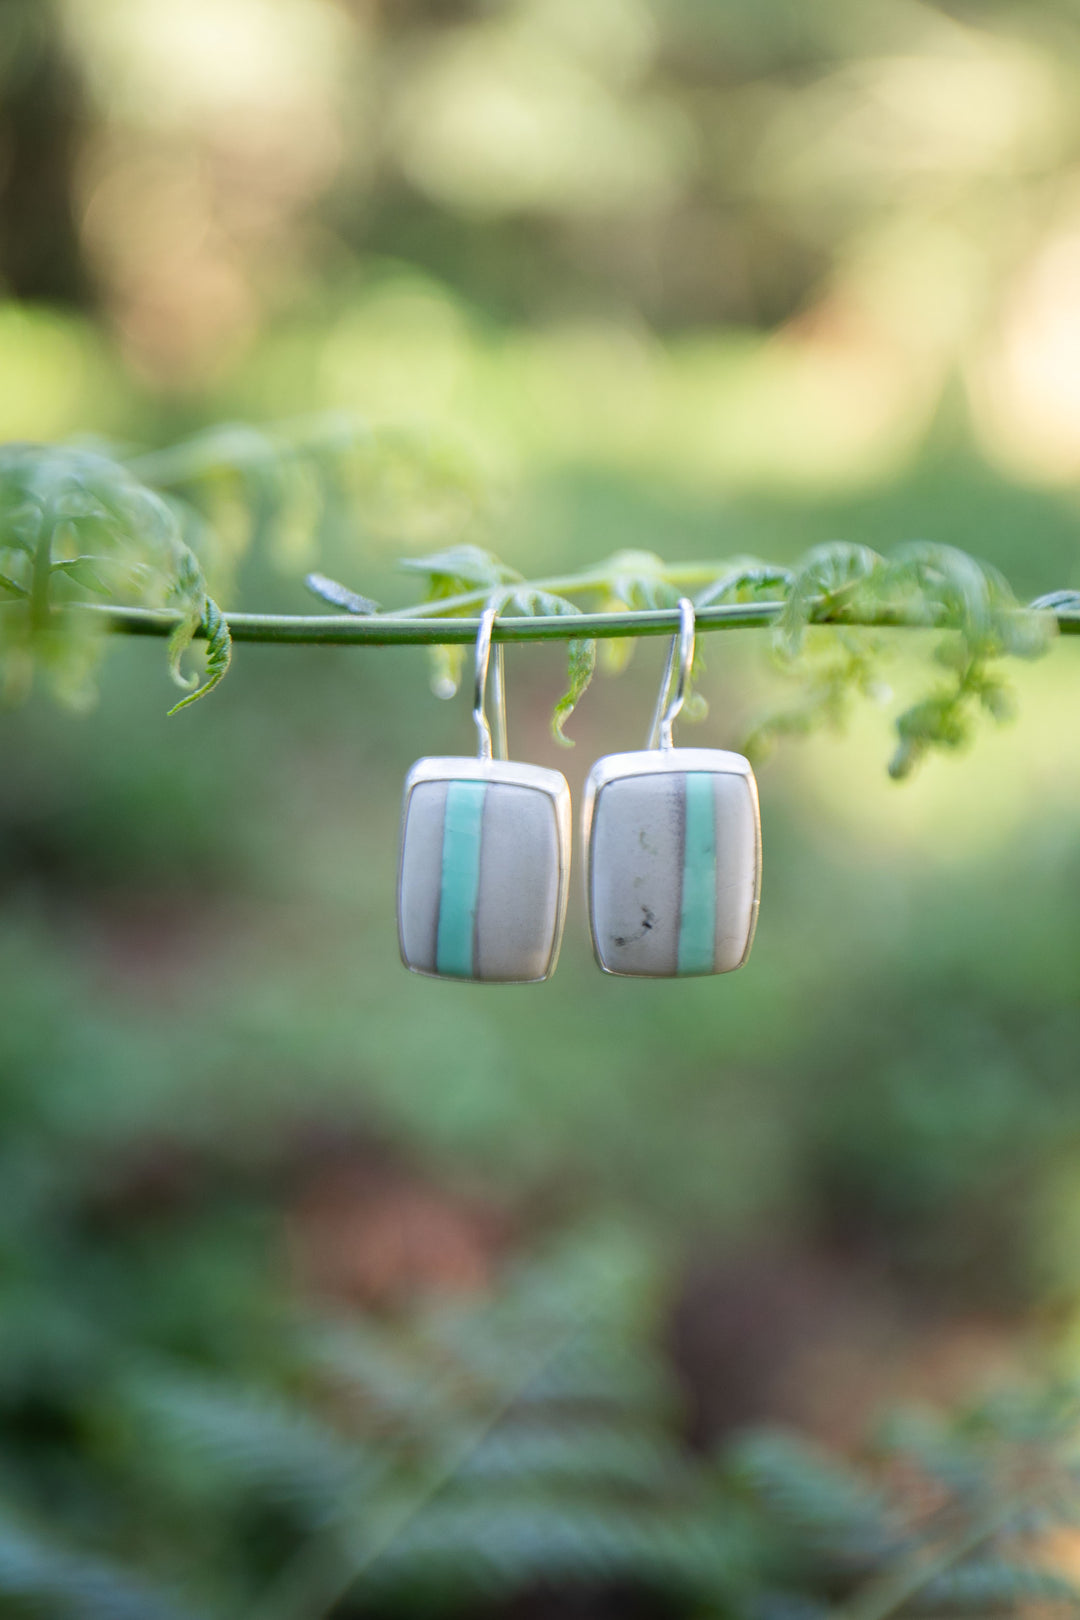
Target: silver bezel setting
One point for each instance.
(663, 762)
(507, 772)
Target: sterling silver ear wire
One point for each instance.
(673, 846)
(485, 854)
(668, 703)
(498, 682)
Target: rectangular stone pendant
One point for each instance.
(674, 861)
(485, 863)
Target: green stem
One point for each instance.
(883, 1598)
(324, 1572)
(557, 585)
(387, 630)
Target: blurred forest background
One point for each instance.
(282, 1226)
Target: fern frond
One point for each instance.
(828, 1506)
(826, 575)
(72, 520)
(39, 1577)
(394, 1379)
(584, 1453)
(501, 1545)
(251, 1441)
(994, 1586)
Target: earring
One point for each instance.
(485, 855)
(673, 842)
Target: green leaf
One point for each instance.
(826, 575)
(581, 667)
(218, 653)
(530, 602)
(1056, 602)
(746, 581)
(965, 592)
(638, 581)
(84, 571)
(460, 570)
(445, 665)
(340, 596)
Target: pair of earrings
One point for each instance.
(672, 839)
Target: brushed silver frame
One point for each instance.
(507, 773)
(663, 762)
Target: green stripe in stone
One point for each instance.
(459, 889)
(697, 919)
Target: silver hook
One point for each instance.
(483, 655)
(668, 706)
